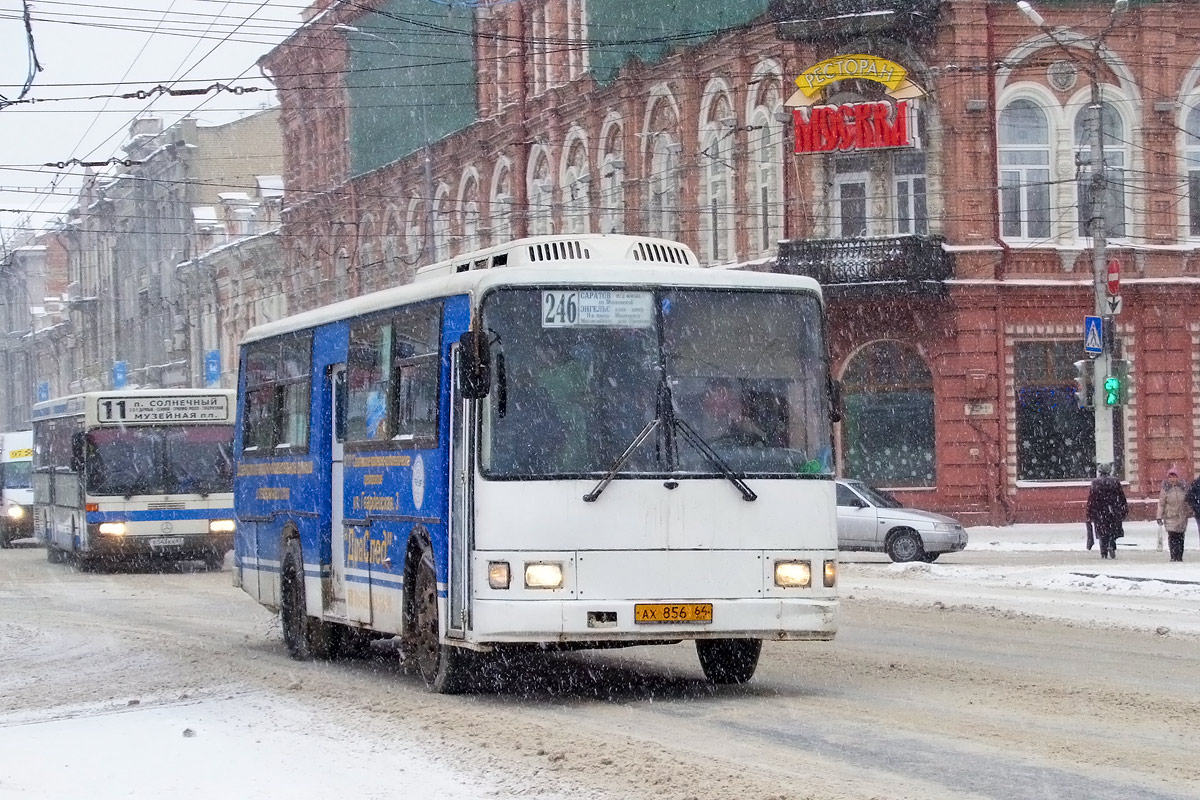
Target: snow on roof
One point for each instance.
(269, 185)
(234, 196)
(204, 214)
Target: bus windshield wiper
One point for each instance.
(697, 441)
(642, 436)
(665, 413)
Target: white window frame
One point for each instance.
(1027, 177)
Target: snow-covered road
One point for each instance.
(953, 680)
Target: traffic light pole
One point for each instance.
(1103, 364)
(1099, 226)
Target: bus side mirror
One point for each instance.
(835, 400)
(474, 365)
(78, 440)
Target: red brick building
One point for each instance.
(957, 270)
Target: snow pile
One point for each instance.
(241, 746)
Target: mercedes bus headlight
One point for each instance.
(113, 528)
(793, 574)
(544, 575)
(221, 526)
(16, 512)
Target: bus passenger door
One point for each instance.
(461, 470)
(337, 595)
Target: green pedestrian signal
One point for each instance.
(1112, 390)
(1116, 384)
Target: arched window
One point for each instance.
(1191, 154)
(414, 230)
(716, 151)
(663, 187)
(765, 182)
(662, 163)
(441, 223)
(888, 427)
(1115, 161)
(500, 205)
(396, 269)
(541, 196)
(576, 189)
(469, 214)
(1024, 138)
(369, 268)
(612, 181)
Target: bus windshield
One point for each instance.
(160, 460)
(17, 475)
(579, 374)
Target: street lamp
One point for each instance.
(1097, 183)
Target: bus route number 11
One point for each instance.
(110, 406)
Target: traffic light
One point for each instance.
(1083, 383)
(1116, 383)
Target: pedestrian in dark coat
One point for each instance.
(1193, 499)
(1106, 508)
(1173, 512)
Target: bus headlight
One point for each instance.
(499, 575)
(113, 528)
(16, 512)
(543, 575)
(221, 526)
(830, 574)
(793, 574)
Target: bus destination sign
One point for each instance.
(127, 410)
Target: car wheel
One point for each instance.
(728, 660)
(905, 545)
(929, 558)
(443, 668)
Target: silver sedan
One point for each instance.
(871, 520)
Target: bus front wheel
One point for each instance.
(728, 660)
(442, 667)
(306, 637)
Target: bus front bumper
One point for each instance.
(560, 621)
(180, 546)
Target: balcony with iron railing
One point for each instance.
(835, 20)
(895, 265)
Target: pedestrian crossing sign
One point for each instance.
(1093, 335)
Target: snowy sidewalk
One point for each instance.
(1140, 538)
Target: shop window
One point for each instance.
(278, 386)
(888, 426)
(1056, 439)
(1024, 139)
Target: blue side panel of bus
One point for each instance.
(273, 496)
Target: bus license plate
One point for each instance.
(166, 541)
(672, 612)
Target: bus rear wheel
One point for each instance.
(55, 555)
(306, 637)
(728, 660)
(443, 668)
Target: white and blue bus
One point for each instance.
(566, 441)
(16, 485)
(142, 473)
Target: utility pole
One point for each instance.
(1098, 224)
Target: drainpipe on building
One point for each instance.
(1000, 504)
